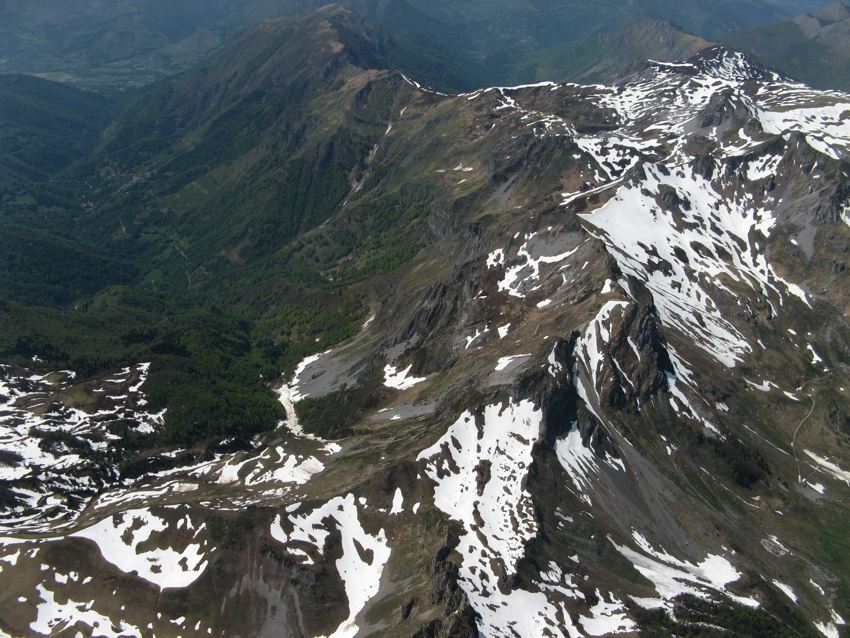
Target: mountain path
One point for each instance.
(803, 421)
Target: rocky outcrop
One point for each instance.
(459, 619)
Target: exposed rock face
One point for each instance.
(598, 400)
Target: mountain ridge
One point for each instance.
(115, 42)
(590, 379)
(810, 47)
(609, 54)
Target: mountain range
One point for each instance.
(292, 344)
(454, 45)
(811, 47)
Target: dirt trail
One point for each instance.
(805, 418)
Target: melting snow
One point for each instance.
(122, 540)
(399, 380)
(52, 614)
(828, 629)
(398, 502)
(654, 247)
(764, 387)
(295, 394)
(608, 618)
(596, 337)
(672, 576)
(829, 467)
(580, 462)
(523, 276)
(554, 367)
(472, 338)
(772, 544)
(360, 572)
(498, 515)
(504, 362)
(785, 589)
(61, 470)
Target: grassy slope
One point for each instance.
(594, 60)
(223, 187)
(44, 128)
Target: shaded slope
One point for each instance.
(44, 128)
(122, 41)
(813, 47)
(233, 157)
(606, 55)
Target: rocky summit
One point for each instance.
(606, 393)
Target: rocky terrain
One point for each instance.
(605, 395)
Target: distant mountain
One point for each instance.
(112, 41)
(607, 54)
(527, 25)
(457, 44)
(813, 47)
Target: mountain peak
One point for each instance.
(715, 61)
(833, 13)
(655, 39)
(305, 41)
(727, 64)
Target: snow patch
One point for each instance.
(785, 589)
(400, 380)
(500, 520)
(398, 502)
(123, 541)
(829, 467)
(673, 577)
(581, 463)
(53, 614)
(360, 572)
(504, 362)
